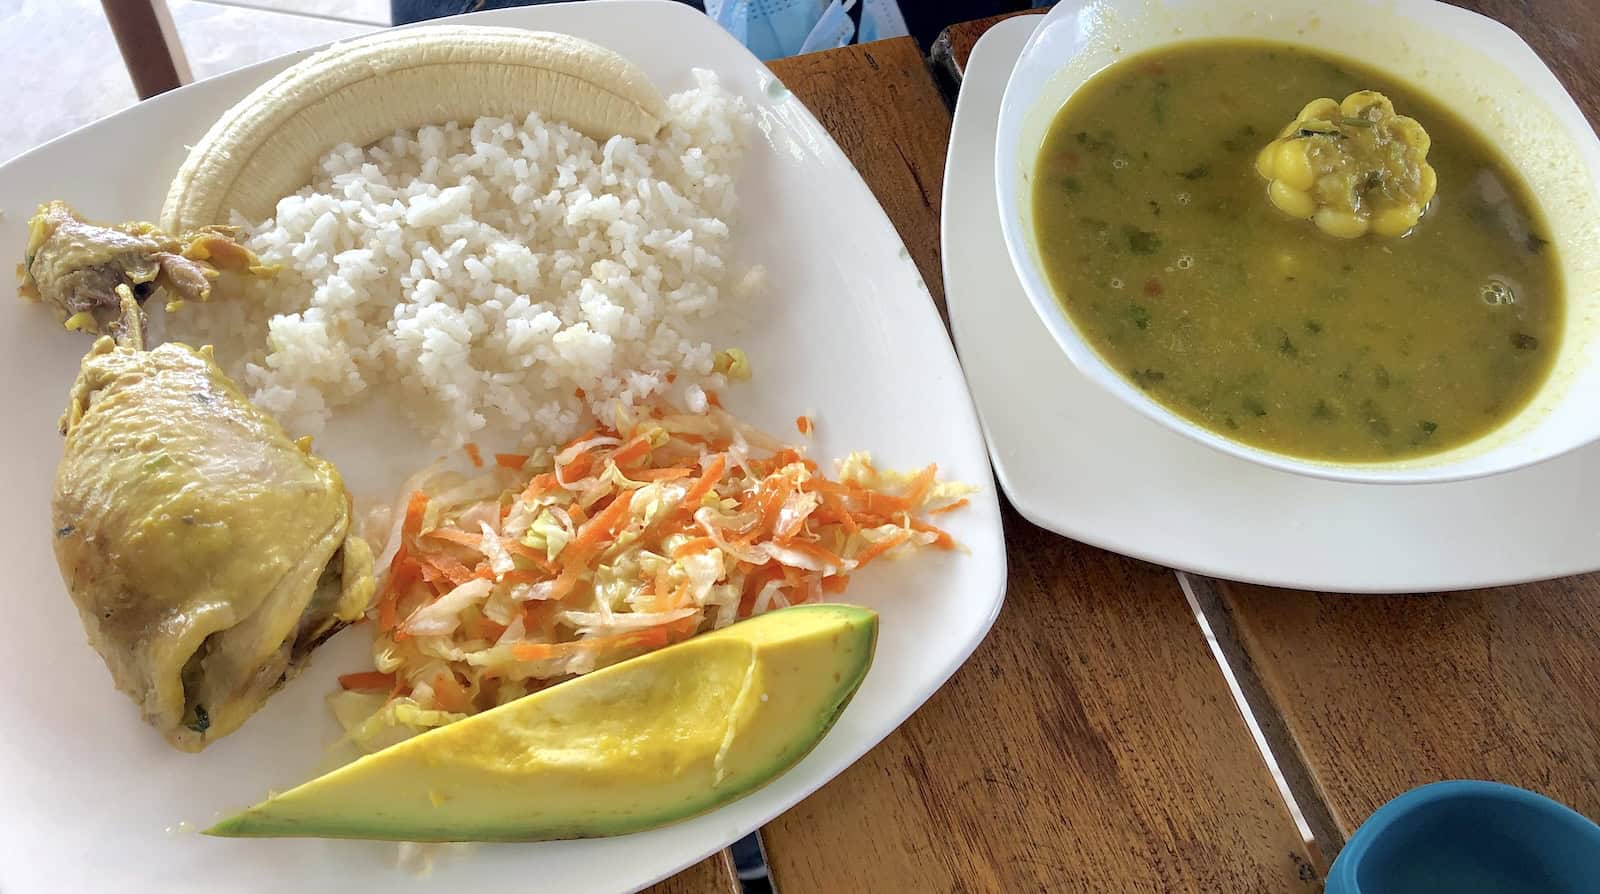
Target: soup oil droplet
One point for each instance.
(1184, 198)
(1119, 163)
(1498, 291)
(1185, 262)
(1116, 282)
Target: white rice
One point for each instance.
(491, 272)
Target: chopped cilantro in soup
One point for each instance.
(1160, 241)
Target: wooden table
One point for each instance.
(1092, 743)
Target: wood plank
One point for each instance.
(713, 875)
(1381, 694)
(1565, 34)
(1091, 743)
(1366, 697)
(954, 47)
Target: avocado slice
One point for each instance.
(643, 743)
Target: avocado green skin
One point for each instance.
(470, 781)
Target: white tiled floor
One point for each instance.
(218, 39)
(372, 12)
(61, 69)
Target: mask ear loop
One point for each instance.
(853, 9)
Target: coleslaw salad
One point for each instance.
(538, 568)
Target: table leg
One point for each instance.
(149, 44)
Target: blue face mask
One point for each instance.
(833, 29)
(880, 20)
(773, 29)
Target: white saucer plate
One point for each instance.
(1075, 460)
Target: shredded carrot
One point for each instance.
(833, 511)
(882, 546)
(479, 627)
(535, 613)
(456, 535)
(692, 547)
(778, 488)
(708, 480)
(882, 503)
(835, 583)
(367, 680)
(920, 484)
(660, 636)
(941, 539)
(566, 581)
(789, 456)
(473, 454)
(402, 571)
(860, 500)
(539, 485)
(713, 399)
(599, 530)
(450, 694)
(649, 638)
(543, 651)
(415, 507)
(436, 578)
(519, 576)
(579, 394)
(386, 612)
(534, 651)
(672, 474)
(578, 467)
(803, 423)
(446, 567)
(816, 553)
(950, 507)
(636, 449)
(754, 582)
(513, 461)
(523, 551)
(660, 588)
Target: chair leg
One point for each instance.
(149, 44)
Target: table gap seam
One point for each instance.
(1285, 762)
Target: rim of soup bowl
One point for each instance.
(1070, 23)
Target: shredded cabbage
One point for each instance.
(621, 542)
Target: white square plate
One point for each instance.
(94, 798)
(1079, 462)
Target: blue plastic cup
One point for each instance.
(1470, 837)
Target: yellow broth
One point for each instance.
(1159, 241)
